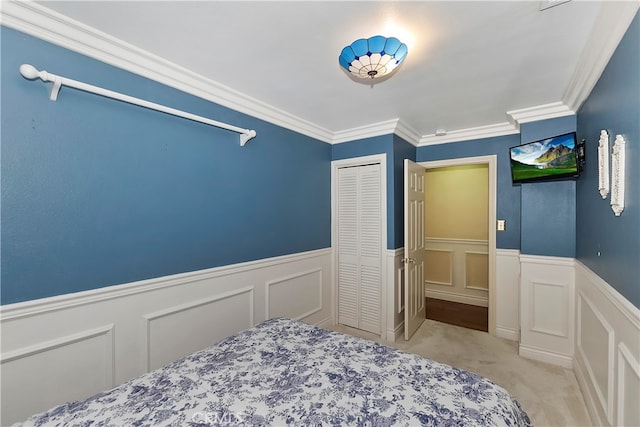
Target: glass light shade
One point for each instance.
(373, 57)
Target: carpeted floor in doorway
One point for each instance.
(550, 394)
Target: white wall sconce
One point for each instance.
(603, 164)
(618, 175)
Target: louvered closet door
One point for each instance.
(359, 251)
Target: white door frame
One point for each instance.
(491, 161)
(353, 162)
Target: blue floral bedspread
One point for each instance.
(284, 372)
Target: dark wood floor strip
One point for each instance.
(454, 313)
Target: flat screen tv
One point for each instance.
(549, 159)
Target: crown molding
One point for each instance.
(480, 132)
(611, 25)
(393, 126)
(367, 131)
(511, 127)
(407, 133)
(538, 112)
(45, 24)
(516, 118)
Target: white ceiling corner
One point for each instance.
(614, 17)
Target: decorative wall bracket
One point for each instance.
(603, 164)
(618, 175)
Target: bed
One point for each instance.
(285, 372)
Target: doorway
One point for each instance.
(460, 252)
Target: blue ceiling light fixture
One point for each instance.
(374, 57)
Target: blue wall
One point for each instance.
(525, 208)
(609, 245)
(396, 149)
(508, 197)
(96, 192)
(548, 219)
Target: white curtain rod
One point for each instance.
(30, 72)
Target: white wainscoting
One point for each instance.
(72, 346)
(395, 294)
(546, 309)
(455, 281)
(35, 376)
(508, 294)
(607, 357)
(165, 329)
(507, 290)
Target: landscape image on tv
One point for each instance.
(546, 159)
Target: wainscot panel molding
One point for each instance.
(70, 377)
(72, 346)
(508, 294)
(165, 329)
(607, 358)
(546, 311)
(449, 273)
(305, 288)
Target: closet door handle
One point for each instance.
(408, 260)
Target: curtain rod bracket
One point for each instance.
(55, 89)
(244, 137)
(30, 72)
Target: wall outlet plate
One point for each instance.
(502, 225)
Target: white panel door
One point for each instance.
(414, 303)
(359, 247)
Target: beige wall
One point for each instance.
(457, 202)
(456, 232)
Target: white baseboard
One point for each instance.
(508, 333)
(394, 334)
(104, 337)
(564, 360)
(453, 297)
(327, 323)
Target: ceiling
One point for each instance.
(470, 63)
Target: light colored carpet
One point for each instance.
(548, 393)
